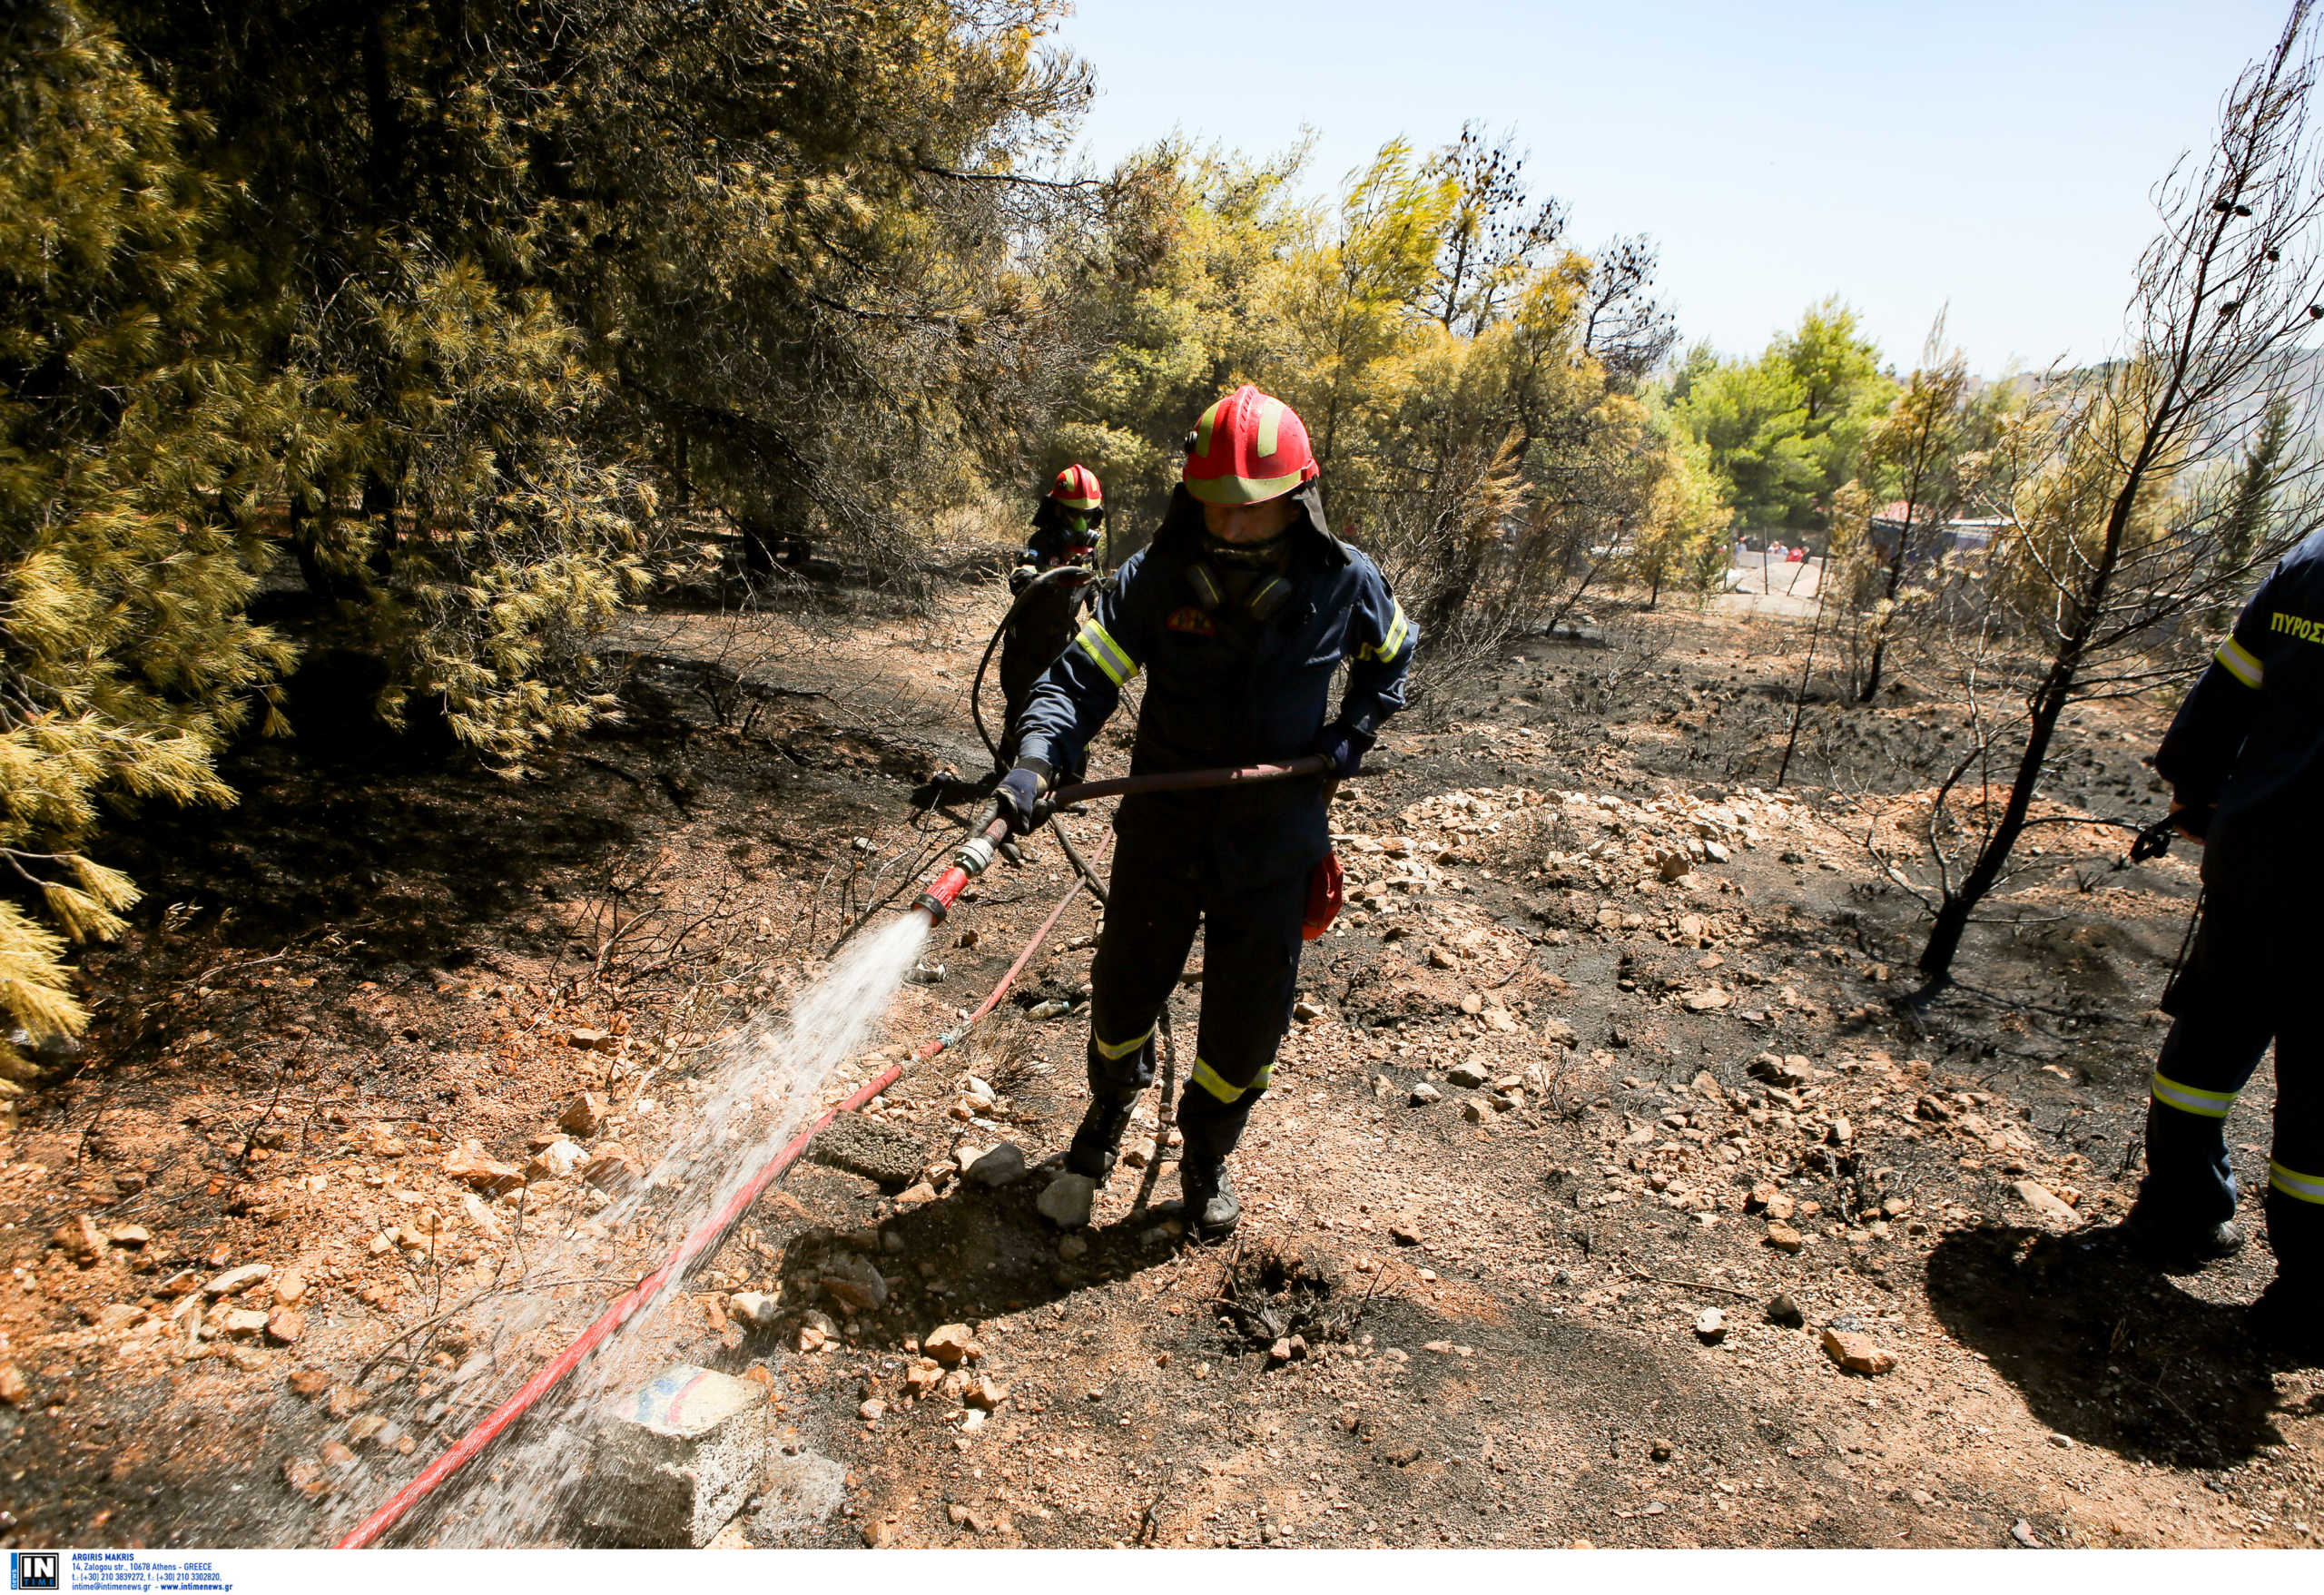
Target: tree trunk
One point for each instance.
(1953, 915)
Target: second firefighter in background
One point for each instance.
(1239, 613)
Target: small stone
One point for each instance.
(1003, 1165)
(611, 1168)
(1280, 1352)
(1785, 1311)
(873, 1411)
(1069, 1200)
(984, 1394)
(1074, 1246)
(1710, 1326)
(1423, 1094)
(585, 1114)
(1305, 1012)
(2063, 1441)
(116, 1316)
(2023, 1533)
(2043, 1201)
(480, 1216)
(377, 1140)
(1470, 1073)
(306, 1477)
(1784, 1238)
(1473, 1110)
(853, 1282)
(1661, 1450)
(130, 1237)
(235, 1280)
(881, 1535)
(307, 1383)
(285, 1326)
(1857, 1351)
(1438, 959)
(1708, 999)
(290, 1288)
(916, 1195)
(1404, 1229)
(245, 1322)
(557, 1160)
(949, 1343)
(592, 1040)
(754, 1308)
(817, 1332)
(1558, 1032)
(472, 1168)
(924, 1374)
(1780, 1206)
(13, 1386)
(1137, 1152)
(1760, 1195)
(344, 1400)
(82, 1241)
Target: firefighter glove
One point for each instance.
(1019, 799)
(1345, 746)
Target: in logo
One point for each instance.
(35, 1570)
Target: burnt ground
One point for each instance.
(1609, 1036)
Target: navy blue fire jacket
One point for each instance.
(1223, 688)
(2248, 744)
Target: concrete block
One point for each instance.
(677, 1458)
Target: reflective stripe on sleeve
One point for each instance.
(2306, 1187)
(1389, 646)
(1207, 1079)
(2240, 663)
(1111, 1050)
(1110, 656)
(2188, 1099)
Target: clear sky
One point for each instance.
(1994, 158)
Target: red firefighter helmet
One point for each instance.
(1248, 447)
(1077, 488)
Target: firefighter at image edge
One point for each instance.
(1239, 613)
(2245, 761)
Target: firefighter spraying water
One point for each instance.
(1239, 613)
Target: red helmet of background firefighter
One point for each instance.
(1239, 612)
(1064, 525)
(1049, 589)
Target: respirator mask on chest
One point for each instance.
(1242, 578)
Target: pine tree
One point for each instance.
(130, 463)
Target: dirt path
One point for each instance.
(1604, 1043)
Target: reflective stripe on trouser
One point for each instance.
(1157, 899)
(2247, 984)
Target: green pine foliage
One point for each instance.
(443, 303)
(133, 449)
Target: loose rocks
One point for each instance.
(950, 1344)
(1003, 1165)
(1857, 1351)
(1710, 1326)
(1067, 1201)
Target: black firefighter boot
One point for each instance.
(1098, 1140)
(1211, 1127)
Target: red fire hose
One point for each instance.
(705, 1237)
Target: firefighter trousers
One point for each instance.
(1251, 946)
(2247, 983)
